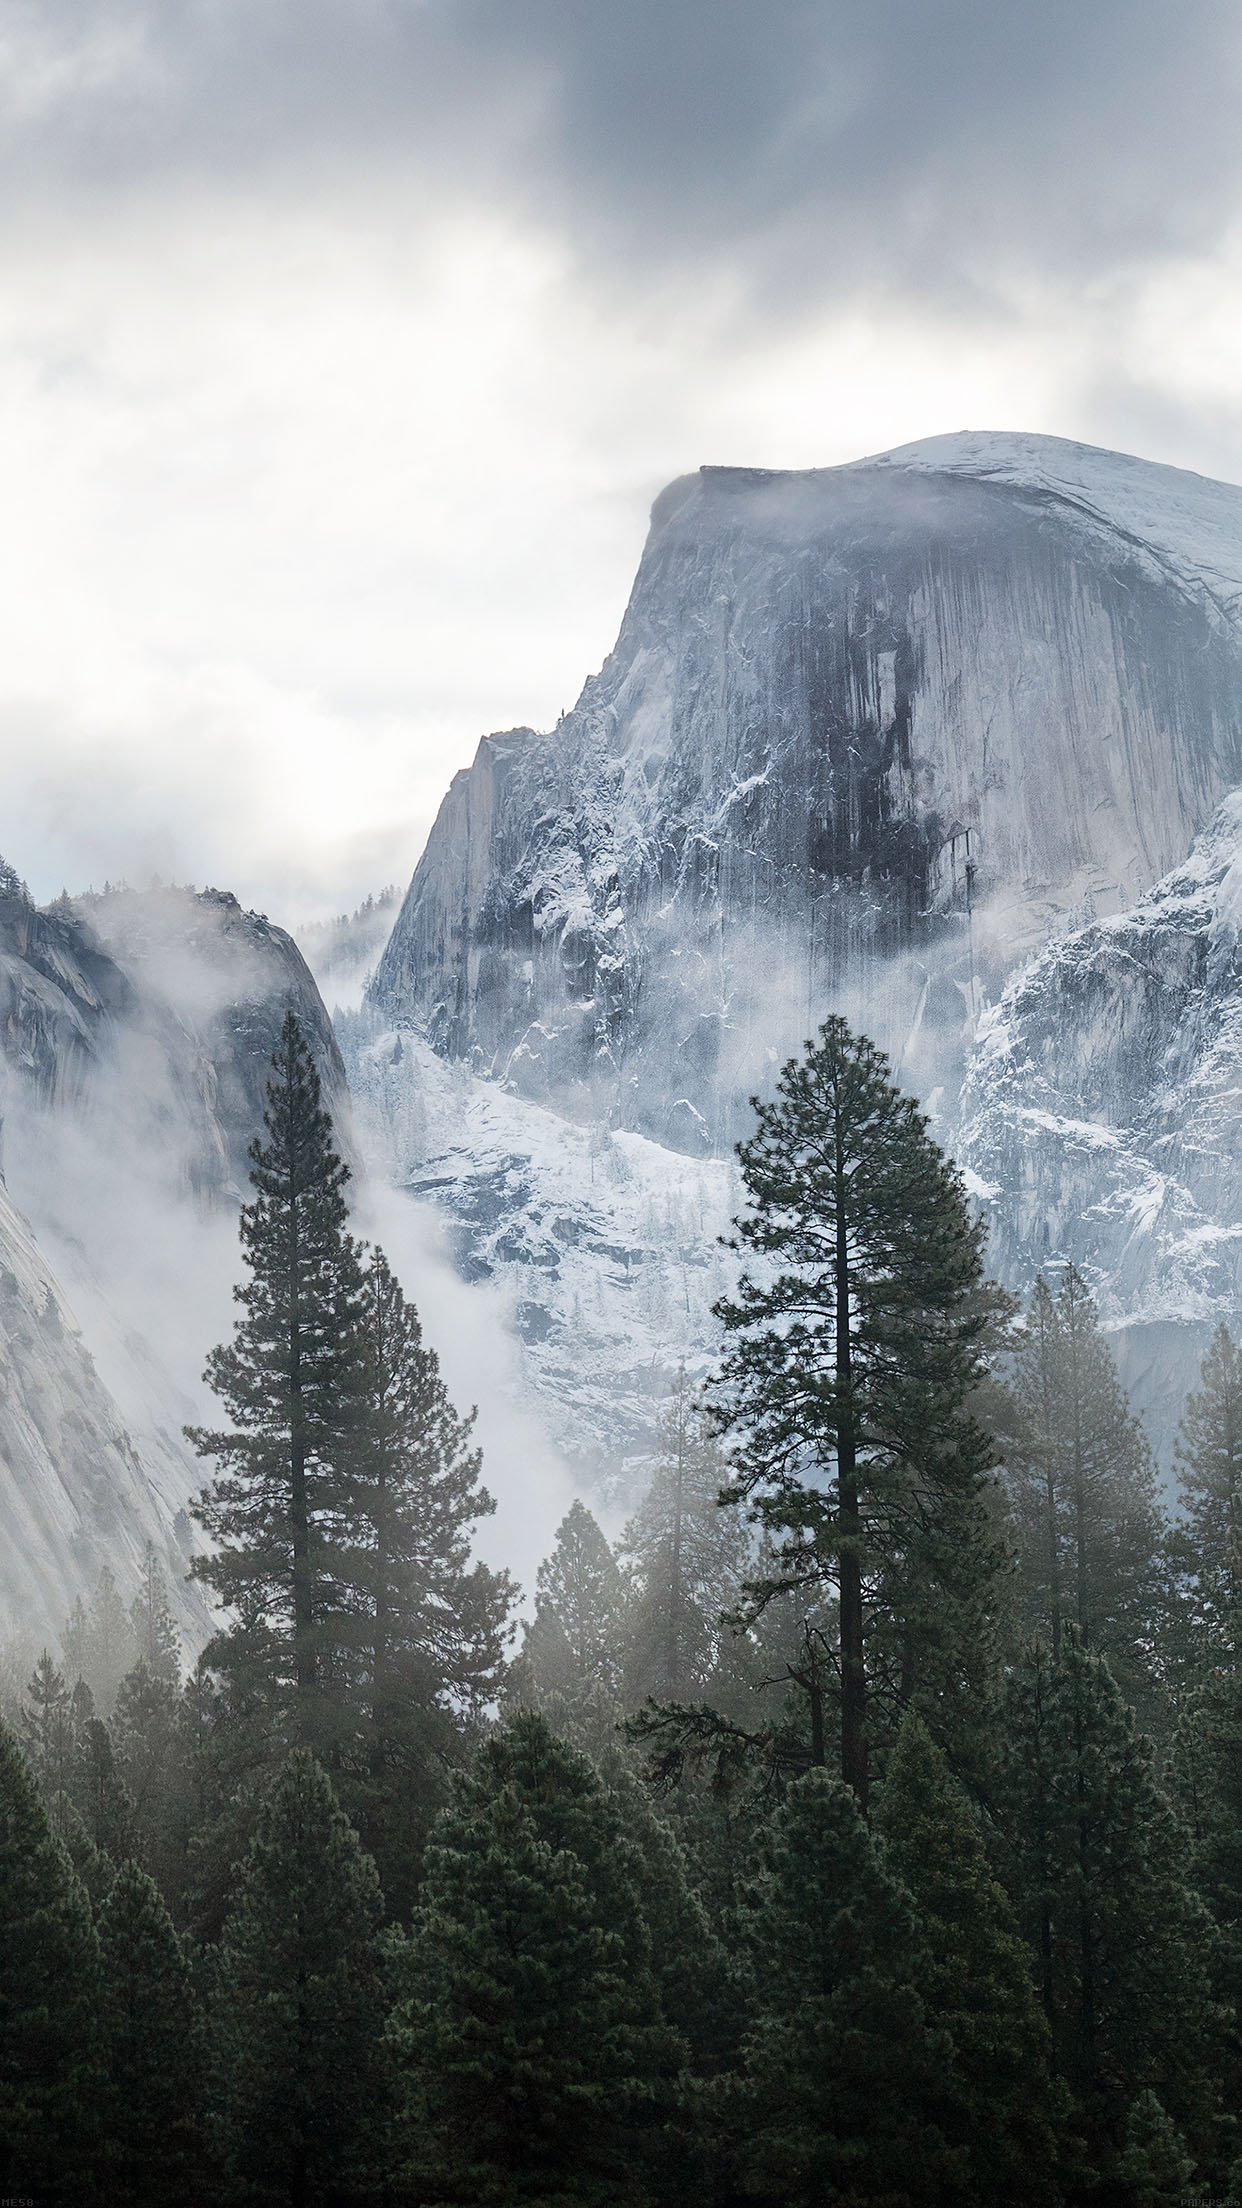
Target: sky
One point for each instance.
(345, 343)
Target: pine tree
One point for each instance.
(148, 1744)
(1206, 1769)
(99, 1793)
(153, 2147)
(47, 1731)
(1209, 1464)
(528, 2037)
(98, 1641)
(1091, 1535)
(686, 1559)
(430, 1625)
(576, 1636)
(855, 1349)
(1125, 1949)
(49, 1996)
(1155, 2167)
(979, 1980)
(291, 1381)
(846, 2077)
(298, 2005)
(157, 1642)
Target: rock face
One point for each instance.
(1102, 1115)
(135, 1035)
(602, 1247)
(903, 739)
(866, 734)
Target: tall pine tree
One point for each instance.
(49, 2001)
(529, 2036)
(1125, 1949)
(577, 1635)
(979, 1978)
(291, 1380)
(150, 2118)
(686, 1559)
(846, 2078)
(430, 1623)
(854, 1352)
(157, 1643)
(1209, 1467)
(298, 2008)
(98, 1641)
(1091, 1535)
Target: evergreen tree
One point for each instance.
(99, 1793)
(529, 2036)
(49, 1996)
(1091, 1535)
(1125, 1949)
(1207, 1775)
(47, 1731)
(855, 1349)
(291, 1381)
(1155, 2167)
(686, 1559)
(157, 1642)
(846, 2078)
(153, 2147)
(979, 1980)
(428, 1627)
(298, 2006)
(576, 1636)
(148, 1744)
(98, 1641)
(1209, 1464)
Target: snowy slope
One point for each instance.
(867, 734)
(1102, 1114)
(75, 1493)
(1185, 527)
(876, 738)
(605, 1246)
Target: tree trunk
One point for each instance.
(299, 1512)
(853, 1675)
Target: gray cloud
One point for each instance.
(954, 146)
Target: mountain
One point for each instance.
(909, 739)
(866, 734)
(1102, 1115)
(135, 1035)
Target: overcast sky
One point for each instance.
(344, 344)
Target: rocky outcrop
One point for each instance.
(1102, 1116)
(136, 1031)
(867, 733)
(158, 1008)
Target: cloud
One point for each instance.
(344, 343)
(805, 143)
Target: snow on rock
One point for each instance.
(1103, 1111)
(605, 1245)
(75, 1493)
(869, 738)
(1185, 527)
(136, 1031)
(867, 734)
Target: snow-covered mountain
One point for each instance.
(927, 739)
(876, 738)
(866, 734)
(135, 1035)
(1102, 1116)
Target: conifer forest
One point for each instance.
(860, 1828)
